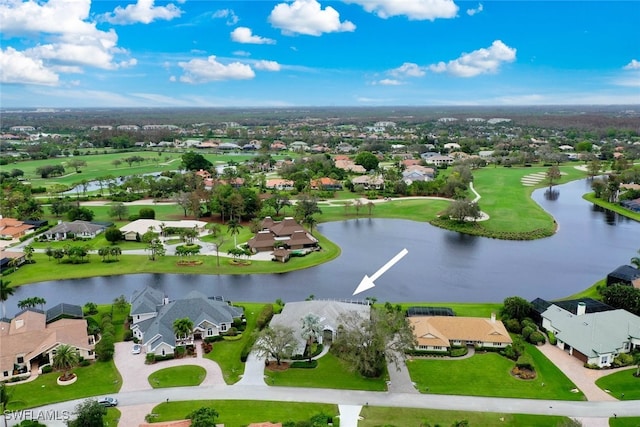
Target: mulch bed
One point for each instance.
(273, 366)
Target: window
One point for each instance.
(604, 360)
(90, 352)
(626, 345)
(209, 332)
(223, 327)
(6, 373)
(20, 359)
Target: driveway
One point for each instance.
(135, 372)
(582, 377)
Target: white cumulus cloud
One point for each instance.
(228, 14)
(267, 65)
(144, 11)
(16, 67)
(481, 61)
(307, 17)
(389, 82)
(408, 69)
(245, 35)
(208, 70)
(633, 65)
(418, 10)
(478, 9)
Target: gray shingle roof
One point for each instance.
(594, 333)
(146, 301)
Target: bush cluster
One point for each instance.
(477, 229)
(304, 364)
(264, 317)
(105, 348)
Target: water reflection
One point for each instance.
(551, 194)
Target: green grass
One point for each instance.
(509, 204)
(330, 373)
(387, 416)
(47, 270)
(463, 309)
(489, 374)
(97, 379)
(227, 353)
(118, 318)
(416, 210)
(177, 376)
(621, 382)
(591, 292)
(612, 207)
(624, 422)
(112, 418)
(239, 413)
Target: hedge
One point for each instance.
(264, 317)
(304, 364)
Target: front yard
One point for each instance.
(621, 383)
(489, 374)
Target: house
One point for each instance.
(349, 166)
(11, 259)
(280, 184)
(440, 333)
(625, 275)
(288, 231)
(593, 338)
(141, 226)
(31, 338)
(77, 228)
(439, 160)
(589, 305)
(326, 183)
(11, 228)
(153, 315)
(369, 182)
(329, 313)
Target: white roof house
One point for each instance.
(594, 338)
(141, 226)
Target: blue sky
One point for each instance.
(210, 53)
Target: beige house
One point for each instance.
(29, 341)
(440, 333)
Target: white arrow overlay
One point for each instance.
(368, 282)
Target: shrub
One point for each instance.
(622, 359)
(90, 308)
(161, 358)
(85, 362)
(264, 317)
(537, 338)
(248, 345)
(147, 213)
(552, 338)
(304, 364)
(207, 347)
(47, 369)
(150, 358)
(213, 339)
(180, 351)
(526, 331)
(128, 335)
(513, 325)
(459, 352)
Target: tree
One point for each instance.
(553, 174)
(233, 228)
(311, 330)
(76, 164)
(89, 413)
(182, 328)
(193, 161)
(116, 162)
(28, 252)
(622, 296)
(5, 292)
(113, 235)
(515, 308)
(635, 261)
(594, 167)
(306, 207)
(365, 343)
(5, 399)
(120, 303)
(115, 251)
(278, 342)
(154, 245)
(370, 206)
(367, 160)
(147, 213)
(59, 206)
(31, 302)
(462, 209)
(80, 213)
(278, 201)
(65, 359)
(104, 253)
(118, 210)
(203, 417)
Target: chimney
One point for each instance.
(582, 308)
(493, 317)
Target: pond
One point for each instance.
(440, 265)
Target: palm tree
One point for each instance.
(5, 399)
(182, 328)
(65, 359)
(635, 261)
(5, 292)
(115, 251)
(233, 227)
(28, 252)
(311, 330)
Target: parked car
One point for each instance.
(136, 349)
(108, 402)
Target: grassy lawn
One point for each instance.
(590, 292)
(178, 376)
(416, 210)
(387, 416)
(509, 203)
(46, 270)
(112, 418)
(330, 373)
(94, 380)
(463, 309)
(622, 382)
(239, 413)
(227, 353)
(624, 422)
(489, 374)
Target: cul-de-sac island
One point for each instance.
(199, 266)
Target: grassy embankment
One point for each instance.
(612, 207)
